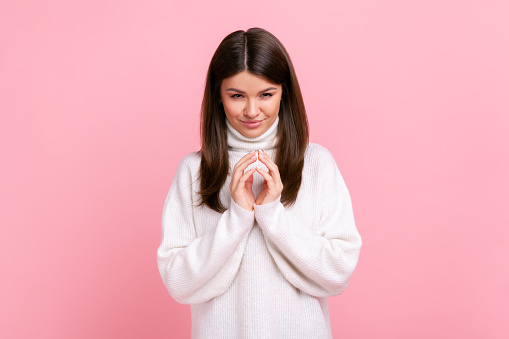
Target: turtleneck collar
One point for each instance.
(239, 142)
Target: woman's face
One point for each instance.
(251, 103)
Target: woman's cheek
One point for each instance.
(274, 106)
(231, 108)
(237, 106)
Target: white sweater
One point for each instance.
(265, 273)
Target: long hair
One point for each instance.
(260, 53)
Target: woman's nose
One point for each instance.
(251, 110)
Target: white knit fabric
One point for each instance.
(265, 273)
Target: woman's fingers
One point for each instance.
(244, 162)
(272, 185)
(242, 182)
(242, 193)
(241, 165)
(271, 189)
(246, 157)
(246, 175)
(271, 165)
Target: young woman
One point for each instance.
(258, 228)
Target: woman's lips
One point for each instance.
(252, 124)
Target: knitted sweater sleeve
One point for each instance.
(317, 260)
(195, 268)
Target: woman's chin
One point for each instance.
(252, 132)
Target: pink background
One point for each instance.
(99, 101)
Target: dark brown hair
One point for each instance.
(258, 52)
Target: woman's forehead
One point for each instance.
(248, 82)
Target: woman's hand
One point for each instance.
(273, 185)
(241, 185)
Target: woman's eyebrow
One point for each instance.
(268, 89)
(239, 91)
(235, 90)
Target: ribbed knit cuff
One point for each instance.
(243, 216)
(267, 214)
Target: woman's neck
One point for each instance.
(240, 143)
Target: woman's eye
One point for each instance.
(266, 95)
(236, 96)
